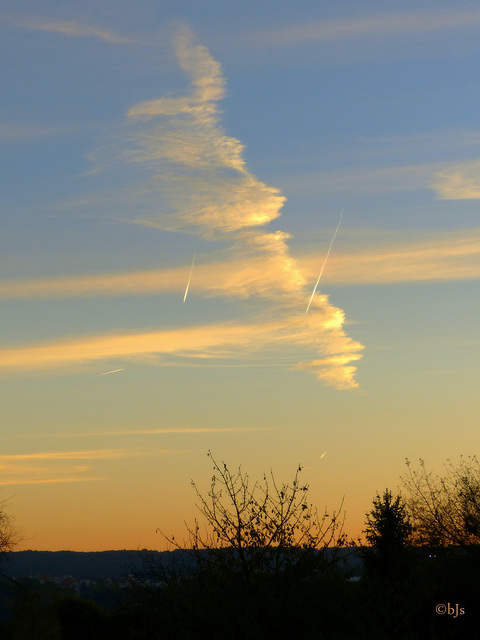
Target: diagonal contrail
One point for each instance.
(325, 261)
(190, 276)
(107, 373)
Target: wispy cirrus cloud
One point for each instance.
(367, 180)
(380, 24)
(69, 28)
(195, 165)
(458, 182)
(56, 467)
(26, 132)
(209, 190)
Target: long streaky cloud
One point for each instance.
(152, 432)
(69, 28)
(379, 24)
(54, 467)
(56, 480)
(452, 256)
(147, 432)
(323, 329)
(93, 454)
(25, 131)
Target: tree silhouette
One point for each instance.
(388, 533)
(9, 534)
(445, 509)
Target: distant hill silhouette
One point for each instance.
(99, 565)
(94, 565)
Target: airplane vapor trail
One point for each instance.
(109, 372)
(325, 262)
(190, 276)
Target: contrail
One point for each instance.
(190, 276)
(323, 455)
(325, 261)
(109, 372)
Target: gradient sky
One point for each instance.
(149, 146)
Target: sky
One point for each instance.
(248, 227)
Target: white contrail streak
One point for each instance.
(190, 276)
(323, 455)
(109, 372)
(325, 262)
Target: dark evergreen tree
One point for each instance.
(390, 609)
(388, 533)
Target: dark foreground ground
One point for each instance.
(178, 596)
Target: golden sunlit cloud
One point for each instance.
(241, 277)
(321, 329)
(124, 346)
(196, 166)
(179, 148)
(201, 175)
(334, 368)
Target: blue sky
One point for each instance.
(139, 138)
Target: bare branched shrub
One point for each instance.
(257, 526)
(9, 534)
(445, 509)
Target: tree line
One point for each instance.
(262, 562)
